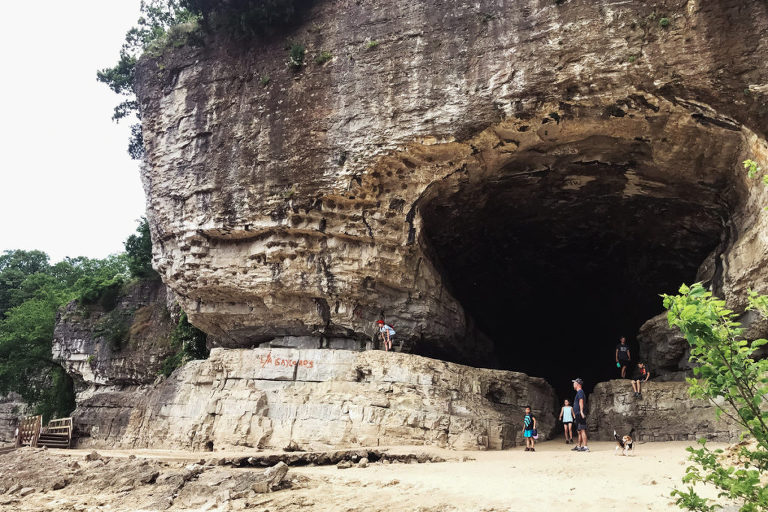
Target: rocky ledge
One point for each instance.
(318, 399)
(666, 412)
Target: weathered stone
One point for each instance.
(319, 399)
(11, 409)
(666, 412)
(344, 464)
(312, 206)
(363, 463)
(664, 349)
(26, 491)
(94, 455)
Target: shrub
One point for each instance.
(138, 250)
(189, 343)
(323, 57)
(264, 80)
(247, 18)
(296, 55)
(113, 327)
(664, 22)
(101, 290)
(371, 45)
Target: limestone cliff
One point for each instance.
(444, 141)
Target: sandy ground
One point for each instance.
(552, 478)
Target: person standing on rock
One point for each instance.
(642, 374)
(386, 333)
(623, 356)
(529, 427)
(580, 415)
(566, 416)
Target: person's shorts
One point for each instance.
(624, 362)
(527, 433)
(581, 423)
(567, 422)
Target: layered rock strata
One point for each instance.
(664, 413)
(318, 399)
(124, 346)
(308, 205)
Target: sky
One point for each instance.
(67, 184)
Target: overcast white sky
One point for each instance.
(67, 184)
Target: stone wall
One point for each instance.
(665, 413)
(318, 399)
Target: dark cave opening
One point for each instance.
(555, 265)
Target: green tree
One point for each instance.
(31, 293)
(725, 370)
(138, 249)
(157, 17)
(15, 268)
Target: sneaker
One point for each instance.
(576, 449)
(533, 449)
(584, 449)
(527, 449)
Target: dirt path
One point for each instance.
(552, 478)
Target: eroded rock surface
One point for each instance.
(666, 412)
(124, 346)
(316, 399)
(395, 179)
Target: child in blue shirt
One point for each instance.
(529, 427)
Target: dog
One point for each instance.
(623, 443)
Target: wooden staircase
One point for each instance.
(58, 433)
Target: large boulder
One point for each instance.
(319, 399)
(664, 349)
(666, 412)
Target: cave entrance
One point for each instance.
(555, 260)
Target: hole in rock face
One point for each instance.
(556, 263)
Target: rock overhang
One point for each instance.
(304, 209)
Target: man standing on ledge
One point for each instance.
(622, 356)
(580, 416)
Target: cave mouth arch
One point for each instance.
(564, 246)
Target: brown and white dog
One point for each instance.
(623, 443)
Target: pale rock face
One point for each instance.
(319, 399)
(666, 412)
(308, 208)
(11, 409)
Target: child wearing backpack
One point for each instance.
(529, 430)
